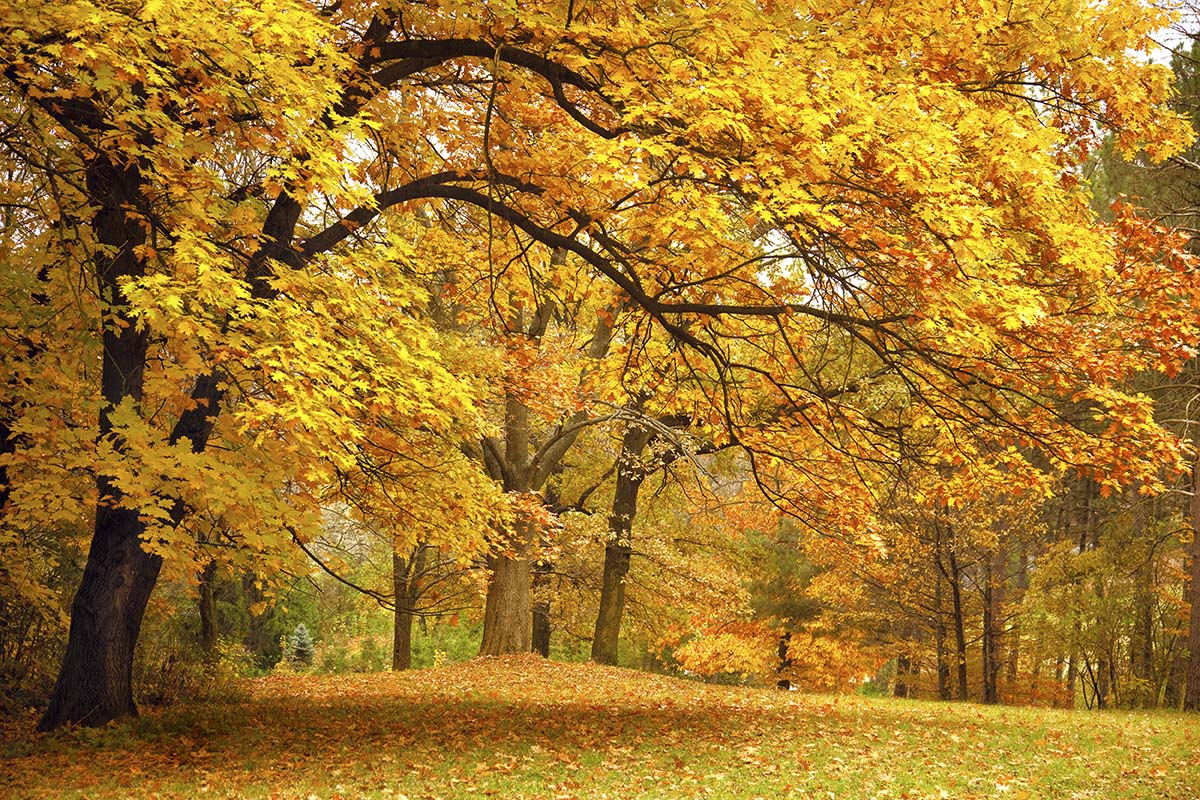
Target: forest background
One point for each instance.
(772, 342)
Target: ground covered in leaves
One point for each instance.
(525, 728)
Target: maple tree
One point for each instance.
(819, 211)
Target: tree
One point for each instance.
(231, 185)
(300, 646)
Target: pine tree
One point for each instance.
(300, 646)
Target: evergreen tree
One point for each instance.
(300, 646)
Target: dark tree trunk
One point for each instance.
(939, 638)
(95, 682)
(1191, 696)
(607, 635)
(618, 548)
(208, 610)
(784, 668)
(960, 633)
(406, 586)
(541, 609)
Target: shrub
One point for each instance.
(169, 668)
(370, 656)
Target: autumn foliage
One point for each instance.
(397, 257)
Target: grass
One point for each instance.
(525, 728)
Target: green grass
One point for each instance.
(525, 728)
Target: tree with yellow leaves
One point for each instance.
(215, 200)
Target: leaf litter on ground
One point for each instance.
(524, 727)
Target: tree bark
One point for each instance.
(939, 638)
(406, 589)
(617, 549)
(990, 662)
(208, 610)
(507, 615)
(960, 634)
(1191, 696)
(541, 609)
(95, 684)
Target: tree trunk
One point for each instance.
(903, 669)
(617, 549)
(541, 609)
(1072, 679)
(612, 602)
(939, 638)
(522, 468)
(991, 633)
(208, 611)
(406, 590)
(507, 616)
(95, 684)
(1191, 697)
(960, 633)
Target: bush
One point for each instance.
(168, 668)
(455, 640)
(371, 656)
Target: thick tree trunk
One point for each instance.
(1191, 696)
(507, 615)
(612, 602)
(208, 610)
(618, 548)
(95, 684)
(402, 639)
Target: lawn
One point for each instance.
(523, 727)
